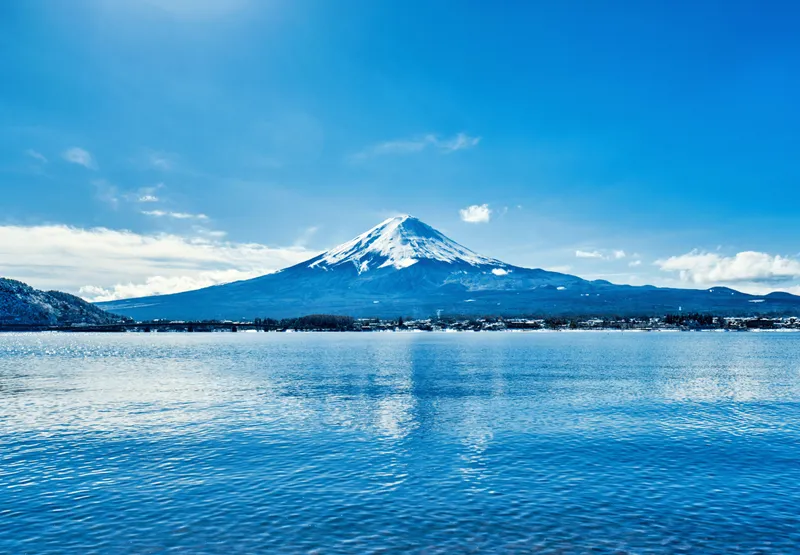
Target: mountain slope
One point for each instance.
(22, 304)
(403, 267)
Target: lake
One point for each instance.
(425, 443)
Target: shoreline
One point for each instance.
(86, 330)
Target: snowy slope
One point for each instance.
(400, 242)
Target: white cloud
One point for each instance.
(36, 155)
(145, 194)
(601, 254)
(106, 264)
(111, 194)
(748, 266)
(76, 155)
(588, 254)
(634, 263)
(476, 214)
(461, 141)
(176, 215)
(164, 285)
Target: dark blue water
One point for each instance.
(434, 443)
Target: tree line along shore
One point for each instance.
(330, 322)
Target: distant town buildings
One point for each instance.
(323, 322)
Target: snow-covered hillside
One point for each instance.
(400, 242)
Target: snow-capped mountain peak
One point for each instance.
(400, 242)
(405, 267)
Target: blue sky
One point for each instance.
(158, 145)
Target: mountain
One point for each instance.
(404, 267)
(22, 304)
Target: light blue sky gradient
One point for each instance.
(657, 129)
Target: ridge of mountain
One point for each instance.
(404, 267)
(21, 304)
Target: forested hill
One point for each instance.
(22, 304)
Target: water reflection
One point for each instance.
(392, 387)
(399, 442)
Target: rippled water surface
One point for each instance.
(434, 443)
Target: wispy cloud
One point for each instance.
(106, 192)
(106, 264)
(588, 254)
(36, 155)
(163, 161)
(141, 195)
(306, 236)
(175, 215)
(461, 141)
(145, 194)
(476, 214)
(601, 254)
(77, 155)
(203, 231)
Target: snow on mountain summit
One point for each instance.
(400, 242)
